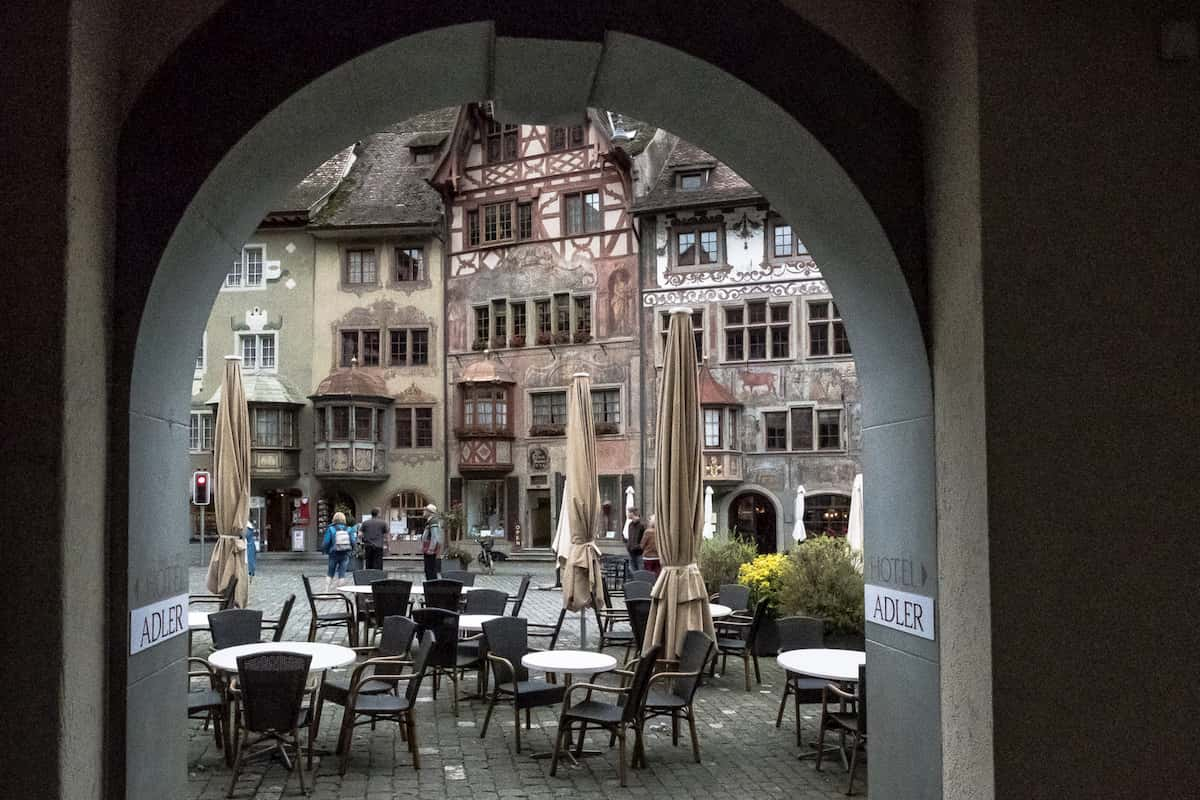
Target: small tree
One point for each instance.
(824, 579)
(720, 560)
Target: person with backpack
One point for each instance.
(338, 544)
(431, 542)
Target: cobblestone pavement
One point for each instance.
(743, 754)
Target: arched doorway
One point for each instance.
(752, 517)
(860, 205)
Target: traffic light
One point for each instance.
(201, 488)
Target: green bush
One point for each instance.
(824, 579)
(720, 560)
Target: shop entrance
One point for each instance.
(541, 526)
(277, 522)
(752, 517)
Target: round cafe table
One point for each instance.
(417, 589)
(569, 663)
(324, 656)
(716, 610)
(473, 623)
(198, 620)
(838, 666)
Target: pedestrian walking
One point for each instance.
(374, 536)
(431, 542)
(338, 544)
(636, 530)
(650, 558)
(251, 548)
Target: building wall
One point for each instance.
(388, 305)
(600, 265)
(746, 272)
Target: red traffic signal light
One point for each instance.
(201, 488)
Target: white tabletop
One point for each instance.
(365, 588)
(198, 620)
(570, 662)
(833, 665)
(717, 610)
(474, 622)
(324, 656)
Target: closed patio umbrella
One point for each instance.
(582, 576)
(710, 519)
(798, 532)
(854, 527)
(679, 602)
(231, 471)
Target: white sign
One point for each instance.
(157, 622)
(911, 613)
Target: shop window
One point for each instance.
(826, 514)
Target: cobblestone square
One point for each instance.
(743, 754)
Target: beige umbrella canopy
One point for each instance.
(231, 470)
(582, 575)
(679, 602)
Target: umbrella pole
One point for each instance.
(582, 629)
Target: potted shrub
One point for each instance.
(825, 580)
(498, 342)
(479, 344)
(454, 523)
(765, 575)
(603, 428)
(721, 558)
(562, 337)
(543, 338)
(547, 430)
(516, 341)
(582, 336)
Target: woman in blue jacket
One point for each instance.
(338, 544)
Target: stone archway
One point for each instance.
(195, 178)
(752, 517)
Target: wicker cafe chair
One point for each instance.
(486, 601)
(443, 593)
(271, 700)
(639, 619)
(742, 647)
(637, 590)
(222, 601)
(368, 707)
(734, 595)
(507, 641)
(539, 630)
(235, 626)
(364, 610)
(518, 600)
(677, 701)
(643, 575)
(797, 633)
(852, 721)
(365, 577)
(606, 621)
(618, 717)
(208, 703)
(463, 576)
(279, 623)
(389, 656)
(445, 658)
(329, 619)
(389, 598)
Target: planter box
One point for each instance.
(767, 643)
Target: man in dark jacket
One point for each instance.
(634, 543)
(373, 533)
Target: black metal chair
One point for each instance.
(607, 620)
(734, 595)
(742, 647)
(637, 590)
(222, 601)
(518, 600)
(677, 701)
(272, 706)
(644, 575)
(617, 718)
(280, 623)
(463, 576)
(395, 642)
(443, 593)
(485, 601)
(336, 619)
(797, 633)
(445, 658)
(849, 719)
(390, 597)
(235, 626)
(209, 703)
(365, 577)
(639, 618)
(540, 630)
(507, 641)
(368, 707)
(364, 604)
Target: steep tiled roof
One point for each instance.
(713, 393)
(724, 185)
(317, 183)
(353, 382)
(385, 186)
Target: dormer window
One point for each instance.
(691, 180)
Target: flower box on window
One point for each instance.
(562, 337)
(543, 338)
(497, 342)
(604, 428)
(547, 430)
(516, 341)
(479, 344)
(582, 336)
